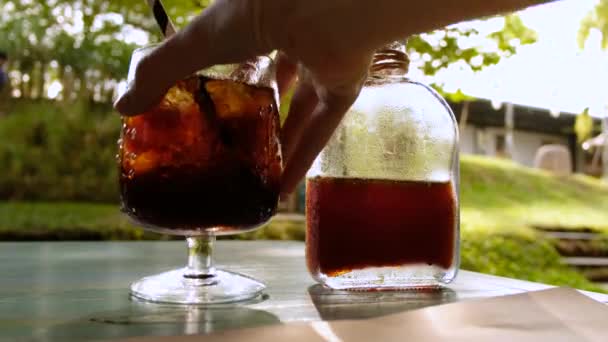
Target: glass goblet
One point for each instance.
(205, 162)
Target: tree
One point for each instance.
(84, 43)
(442, 48)
(583, 126)
(81, 43)
(596, 19)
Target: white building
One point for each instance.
(485, 133)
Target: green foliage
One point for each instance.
(442, 48)
(182, 12)
(84, 44)
(83, 41)
(50, 153)
(34, 29)
(455, 97)
(513, 34)
(519, 256)
(277, 229)
(597, 19)
(583, 126)
(65, 221)
(26, 221)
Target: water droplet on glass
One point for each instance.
(131, 132)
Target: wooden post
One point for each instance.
(509, 125)
(464, 116)
(605, 149)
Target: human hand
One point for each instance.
(329, 80)
(327, 44)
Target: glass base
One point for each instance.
(410, 277)
(172, 287)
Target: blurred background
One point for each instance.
(528, 90)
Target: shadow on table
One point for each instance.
(151, 319)
(335, 304)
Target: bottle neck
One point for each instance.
(390, 60)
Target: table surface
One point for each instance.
(74, 291)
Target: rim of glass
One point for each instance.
(147, 47)
(152, 46)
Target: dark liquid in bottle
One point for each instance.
(358, 223)
(206, 157)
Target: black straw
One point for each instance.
(162, 19)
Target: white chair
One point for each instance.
(554, 158)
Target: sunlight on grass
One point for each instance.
(502, 193)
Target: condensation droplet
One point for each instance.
(131, 132)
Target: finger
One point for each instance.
(319, 129)
(286, 73)
(336, 90)
(148, 87)
(303, 102)
(225, 32)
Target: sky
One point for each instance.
(553, 73)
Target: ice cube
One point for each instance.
(145, 162)
(181, 96)
(231, 99)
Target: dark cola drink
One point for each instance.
(207, 158)
(355, 224)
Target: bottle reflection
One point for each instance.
(339, 305)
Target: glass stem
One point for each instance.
(200, 267)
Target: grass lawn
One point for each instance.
(65, 221)
(501, 202)
(502, 194)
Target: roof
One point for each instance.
(539, 120)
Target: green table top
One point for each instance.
(74, 291)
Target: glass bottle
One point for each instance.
(382, 202)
